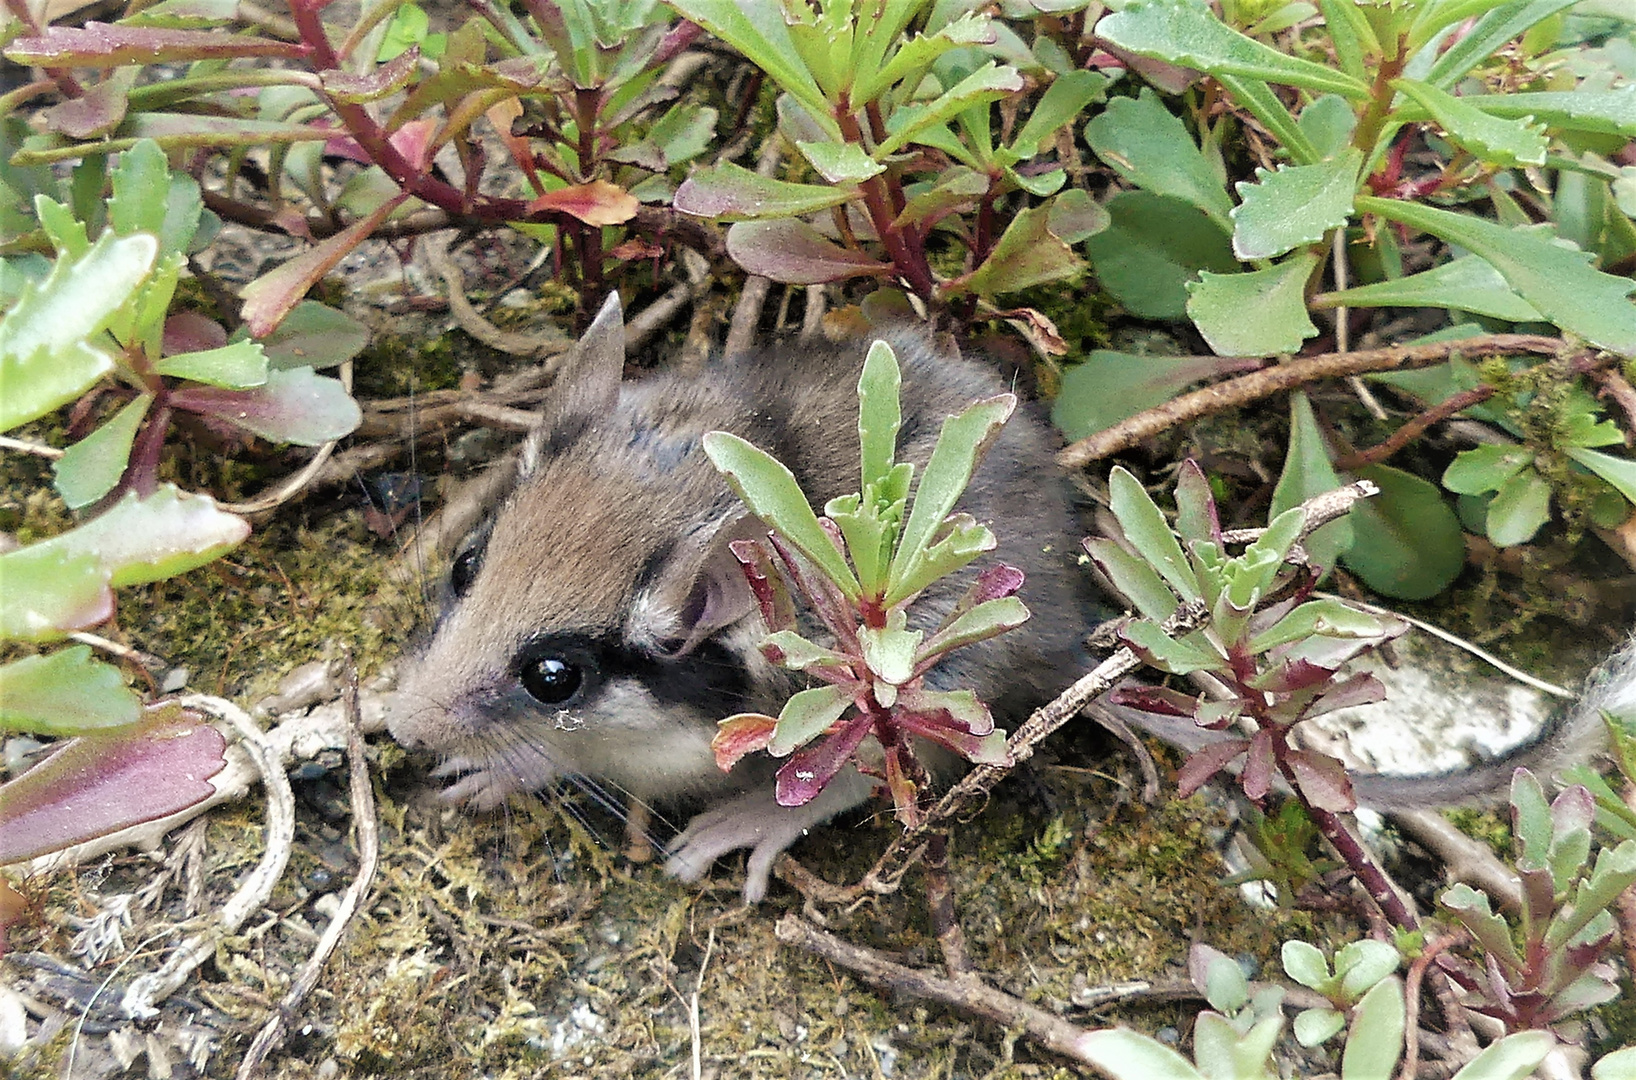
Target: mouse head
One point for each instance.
(586, 618)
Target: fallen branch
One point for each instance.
(1287, 376)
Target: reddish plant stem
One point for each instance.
(63, 77)
(1352, 852)
(940, 905)
(1411, 999)
(1414, 428)
(877, 201)
(374, 142)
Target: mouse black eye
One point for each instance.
(551, 680)
(465, 569)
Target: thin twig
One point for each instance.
(693, 1008)
(145, 992)
(741, 331)
(1460, 643)
(968, 993)
(548, 345)
(146, 661)
(26, 447)
(1411, 998)
(1414, 428)
(271, 1036)
(1287, 376)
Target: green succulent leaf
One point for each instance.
(293, 406)
(988, 83)
(1134, 579)
(839, 162)
(1063, 100)
(807, 715)
(1619, 472)
(1144, 525)
(1506, 143)
(47, 356)
(1407, 542)
(51, 592)
(1606, 112)
(1313, 1027)
(960, 446)
(149, 538)
(1519, 509)
(90, 468)
(314, 335)
(238, 366)
(1466, 284)
(1218, 303)
(1308, 472)
(1501, 24)
(1150, 147)
(770, 491)
(799, 653)
(141, 182)
(1152, 248)
(760, 32)
(1026, 255)
(890, 650)
(1188, 33)
(1375, 1043)
(65, 693)
(1305, 964)
(1557, 281)
(1128, 1055)
(1165, 652)
(1485, 468)
(1512, 1058)
(1293, 206)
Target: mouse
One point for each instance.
(596, 628)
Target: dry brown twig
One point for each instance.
(1288, 376)
(368, 836)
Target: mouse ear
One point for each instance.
(587, 385)
(701, 589)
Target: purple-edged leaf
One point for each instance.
(99, 45)
(1585, 992)
(808, 771)
(1361, 689)
(1196, 516)
(189, 331)
(986, 620)
(777, 610)
(294, 406)
(238, 366)
(65, 693)
(389, 78)
(1159, 700)
(959, 708)
(798, 654)
(314, 335)
(1472, 909)
(50, 591)
(733, 193)
(95, 113)
(274, 294)
(1290, 677)
(794, 253)
(95, 785)
(740, 734)
(807, 715)
(1259, 766)
(1204, 763)
(1322, 781)
(985, 749)
(90, 468)
(142, 539)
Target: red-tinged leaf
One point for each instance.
(99, 45)
(1259, 766)
(1202, 764)
(956, 708)
(1361, 689)
(1037, 328)
(596, 203)
(1322, 780)
(733, 193)
(810, 769)
(188, 331)
(740, 734)
(794, 253)
(93, 114)
(389, 78)
(414, 141)
(940, 728)
(1286, 678)
(1159, 700)
(272, 295)
(501, 115)
(293, 406)
(777, 610)
(95, 785)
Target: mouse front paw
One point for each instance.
(754, 820)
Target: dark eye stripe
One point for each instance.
(710, 678)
